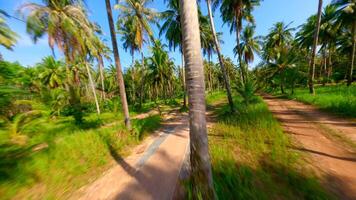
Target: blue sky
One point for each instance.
(268, 13)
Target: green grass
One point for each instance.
(252, 159)
(338, 99)
(60, 156)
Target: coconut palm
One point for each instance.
(128, 33)
(199, 152)
(7, 36)
(218, 51)
(277, 39)
(161, 71)
(53, 74)
(347, 17)
(249, 45)
(234, 12)
(118, 65)
(315, 44)
(140, 17)
(65, 23)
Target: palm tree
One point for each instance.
(52, 74)
(199, 151)
(276, 49)
(249, 45)
(7, 36)
(347, 17)
(65, 23)
(118, 66)
(161, 71)
(171, 26)
(128, 33)
(234, 12)
(218, 51)
(315, 44)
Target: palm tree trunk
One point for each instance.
(349, 78)
(92, 88)
(142, 78)
(242, 67)
(315, 44)
(101, 69)
(221, 61)
(199, 150)
(184, 84)
(118, 66)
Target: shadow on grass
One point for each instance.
(269, 180)
(11, 159)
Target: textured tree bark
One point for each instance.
(184, 84)
(315, 44)
(118, 66)
(349, 78)
(221, 61)
(199, 151)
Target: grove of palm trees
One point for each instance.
(177, 99)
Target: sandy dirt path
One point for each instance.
(151, 172)
(333, 159)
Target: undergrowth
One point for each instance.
(60, 156)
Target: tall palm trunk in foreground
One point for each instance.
(349, 77)
(199, 151)
(217, 47)
(118, 66)
(315, 44)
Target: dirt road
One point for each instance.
(151, 172)
(327, 140)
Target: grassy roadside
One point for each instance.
(338, 99)
(251, 158)
(59, 156)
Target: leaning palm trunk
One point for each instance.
(315, 44)
(101, 69)
(118, 66)
(222, 66)
(349, 77)
(199, 151)
(92, 88)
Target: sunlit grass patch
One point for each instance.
(252, 159)
(338, 99)
(60, 156)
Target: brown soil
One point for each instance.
(327, 140)
(150, 172)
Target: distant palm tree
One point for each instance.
(139, 16)
(347, 17)
(128, 33)
(315, 44)
(53, 73)
(7, 36)
(65, 23)
(234, 12)
(203, 187)
(218, 51)
(161, 71)
(249, 45)
(120, 78)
